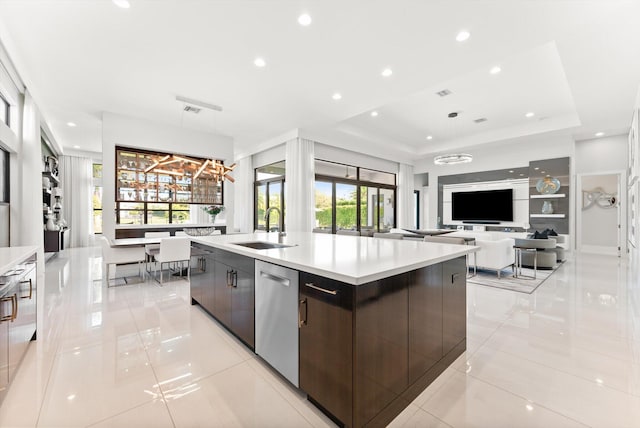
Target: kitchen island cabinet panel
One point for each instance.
(326, 344)
(454, 303)
(243, 304)
(425, 320)
(381, 345)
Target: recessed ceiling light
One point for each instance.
(337, 96)
(387, 72)
(536, 168)
(71, 124)
(599, 134)
(463, 35)
(511, 171)
(495, 70)
(429, 137)
(530, 114)
(374, 114)
(543, 172)
(76, 147)
(521, 175)
(304, 20)
(259, 62)
(124, 4)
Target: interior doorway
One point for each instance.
(599, 222)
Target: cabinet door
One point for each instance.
(425, 320)
(454, 303)
(201, 273)
(23, 327)
(326, 344)
(243, 306)
(222, 293)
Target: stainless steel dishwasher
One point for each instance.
(276, 318)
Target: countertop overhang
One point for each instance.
(11, 256)
(351, 259)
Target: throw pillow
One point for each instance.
(540, 235)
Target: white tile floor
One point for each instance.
(141, 355)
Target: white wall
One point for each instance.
(599, 226)
(512, 154)
(337, 154)
(118, 130)
(601, 156)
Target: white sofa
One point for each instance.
(496, 250)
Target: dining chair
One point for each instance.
(173, 250)
(152, 249)
(123, 255)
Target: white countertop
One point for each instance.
(351, 259)
(11, 256)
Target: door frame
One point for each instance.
(622, 203)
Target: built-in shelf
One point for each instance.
(552, 195)
(52, 178)
(547, 215)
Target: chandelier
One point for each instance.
(196, 168)
(452, 159)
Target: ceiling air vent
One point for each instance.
(480, 120)
(192, 109)
(443, 93)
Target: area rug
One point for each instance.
(525, 284)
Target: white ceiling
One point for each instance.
(576, 64)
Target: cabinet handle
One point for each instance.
(276, 278)
(14, 308)
(302, 321)
(30, 288)
(228, 278)
(234, 278)
(454, 277)
(324, 290)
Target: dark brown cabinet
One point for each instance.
(454, 303)
(223, 284)
(326, 343)
(368, 350)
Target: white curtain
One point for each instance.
(299, 197)
(405, 197)
(30, 165)
(243, 188)
(77, 184)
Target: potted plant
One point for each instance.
(213, 211)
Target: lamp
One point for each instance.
(452, 159)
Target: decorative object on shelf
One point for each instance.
(199, 231)
(213, 211)
(598, 197)
(45, 183)
(548, 185)
(50, 223)
(547, 208)
(452, 159)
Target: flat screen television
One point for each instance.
(483, 206)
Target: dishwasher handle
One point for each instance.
(276, 278)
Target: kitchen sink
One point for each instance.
(262, 245)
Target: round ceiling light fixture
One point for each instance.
(452, 159)
(259, 62)
(337, 96)
(124, 4)
(304, 20)
(429, 137)
(495, 70)
(463, 35)
(374, 114)
(387, 72)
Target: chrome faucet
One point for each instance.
(281, 233)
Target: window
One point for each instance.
(269, 192)
(4, 111)
(353, 198)
(97, 198)
(159, 188)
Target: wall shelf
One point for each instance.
(547, 215)
(553, 195)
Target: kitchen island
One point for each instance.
(373, 321)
